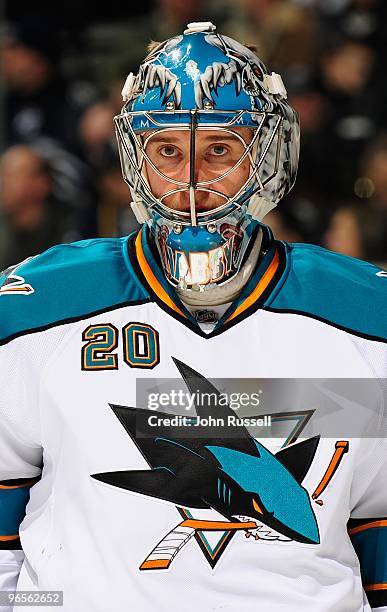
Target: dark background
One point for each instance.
(63, 67)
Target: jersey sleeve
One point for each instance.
(367, 526)
(20, 454)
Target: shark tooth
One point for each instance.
(216, 71)
(178, 94)
(198, 95)
(146, 82)
(209, 73)
(208, 76)
(170, 88)
(161, 75)
(238, 83)
(228, 74)
(205, 87)
(152, 74)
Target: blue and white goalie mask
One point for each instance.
(208, 146)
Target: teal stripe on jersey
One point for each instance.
(343, 291)
(69, 282)
(371, 548)
(12, 509)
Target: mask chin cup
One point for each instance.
(198, 259)
(258, 207)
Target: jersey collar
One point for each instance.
(261, 284)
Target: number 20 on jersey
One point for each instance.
(140, 346)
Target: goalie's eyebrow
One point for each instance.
(175, 139)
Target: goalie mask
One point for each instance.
(208, 146)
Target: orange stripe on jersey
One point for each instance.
(20, 486)
(370, 525)
(376, 587)
(259, 289)
(8, 538)
(151, 278)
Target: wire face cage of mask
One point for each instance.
(268, 153)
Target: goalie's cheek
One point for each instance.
(231, 184)
(157, 184)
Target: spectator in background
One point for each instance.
(38, 101)
(98, 149)
(360, 20)
(163, 19)
(355, 110)
(282, 227)
(309, 201)
(331, 54)
(372, 184)
(283, 33)
(357, 231)
(31, 219)
(96, 132)
(339, 112)
(115, 217)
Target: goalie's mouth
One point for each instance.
(262, 531)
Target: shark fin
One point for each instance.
(238, 437)
(298, 458)
(160, 483)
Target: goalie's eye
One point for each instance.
(168, 151)
(218, 150)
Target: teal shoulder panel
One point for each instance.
(342, 291)
(66, 283)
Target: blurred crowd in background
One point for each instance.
(60, 178)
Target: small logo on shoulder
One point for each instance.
(381, 273)
(14, 283)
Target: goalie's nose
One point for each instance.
(204, 199)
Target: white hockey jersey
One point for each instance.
(118, 520)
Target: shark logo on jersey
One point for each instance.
(13, 283)
(255, 490)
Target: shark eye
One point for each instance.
(257, 507)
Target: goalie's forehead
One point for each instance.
(205, 136)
